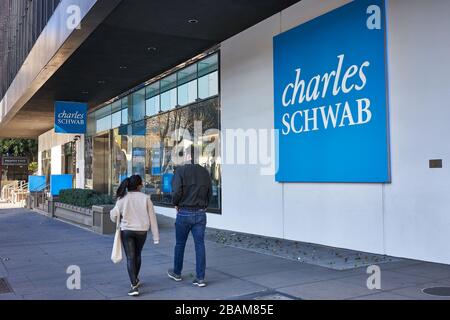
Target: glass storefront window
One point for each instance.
(187, 85)
(119, 157)
(138, 105)
(169, 92)
(154, 150)
(168, 140)
(207, 117)
(168, 82)
(91, 124)
(208, 65)
(153, 144)
(88, 162)
(103, 119)
(152, 99)
(208, 86)
(138, 156)
(187, 93)
(116, 119)
(125, 105)
(116, 116)
(169, 100)
(46, 165)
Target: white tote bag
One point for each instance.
(116, 255)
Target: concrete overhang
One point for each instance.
(120, 44)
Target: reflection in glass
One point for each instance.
(139, 148)
(121, 166)
(168, 140)
(152, 106)
(138, 100)
(116, 117)
(103, 119)
(88, 160)
(125, 111)
(152, 99)
(208, 65)
(154, 152)
(169, 92)
(169, 100)
(208, 85)
(154, 147)
(187, 93)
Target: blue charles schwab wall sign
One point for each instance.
(331, 100)
(70, 117)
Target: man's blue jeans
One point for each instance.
(195, 222)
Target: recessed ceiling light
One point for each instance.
(192, 21)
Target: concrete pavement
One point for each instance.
(36, 251)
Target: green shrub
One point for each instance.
(84, 198)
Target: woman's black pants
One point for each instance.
(133, 242)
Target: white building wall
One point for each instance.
(56, 160)
(407, 218)
(54, 142)
(80, 163)
(39, 171)
(417, 215)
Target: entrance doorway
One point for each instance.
(69, 160)
(101, 163)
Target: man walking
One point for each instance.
(191, 187)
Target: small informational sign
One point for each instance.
(70, 117)
(15, 161)
(331, 97)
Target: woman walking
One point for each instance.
(135, 209)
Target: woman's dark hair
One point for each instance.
(129, 184)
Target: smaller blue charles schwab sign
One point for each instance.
(70, 117)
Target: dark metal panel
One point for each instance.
(22, 22)
(116, 56)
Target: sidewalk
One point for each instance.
(35, 252)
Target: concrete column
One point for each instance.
(39, 172)
(56, 160)
(80, 163)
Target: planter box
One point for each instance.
(101, 221)
(78, 215)
(97, 219)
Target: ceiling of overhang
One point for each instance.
(94, 74)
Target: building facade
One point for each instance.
(229, 90)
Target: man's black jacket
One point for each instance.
(191, 187)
